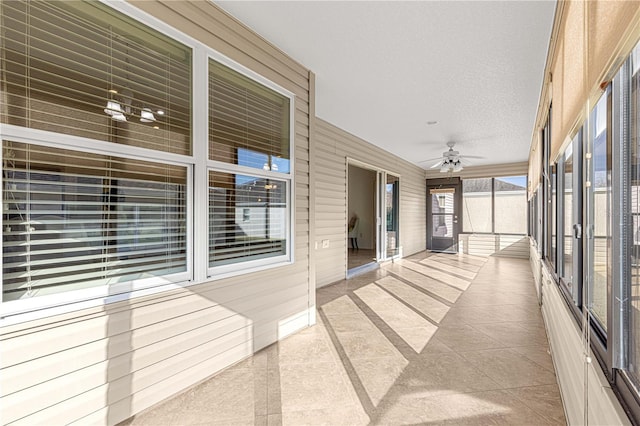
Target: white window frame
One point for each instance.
(198, 167)
(249, 266)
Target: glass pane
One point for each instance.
(634, 311)
(511, 205)
(83, 69)
(568, 241)
(442, 225)
(442, 200)
(392, 201)
(476, 205)
(247, 218)
(601, 197)
(554, 217)
(74, 220)
(248, 122)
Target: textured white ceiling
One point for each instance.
(385, 69)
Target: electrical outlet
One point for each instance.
(325, 243)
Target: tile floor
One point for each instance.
(431, 339)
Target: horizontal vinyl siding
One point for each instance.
(103, 365)
(565, 340)
(494, 245)
(332, 148)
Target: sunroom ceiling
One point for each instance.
(385, 70)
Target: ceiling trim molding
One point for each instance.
(493, 170)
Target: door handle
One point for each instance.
(577, 231)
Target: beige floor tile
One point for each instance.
(544, 400)
(340, 306)
(440, 374)
(421, 302)
(513, 334)
(466, 338)
(510, 368)
(434, 287)
(354, 322)
(379, 375)
(313, 386)
(541, 355)
(302, 347)
(366, 345)
(447, 277)
(336, 416)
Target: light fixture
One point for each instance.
(146, 116)
(114, 109)
(266, 166)
(445, 166)
(457, 166)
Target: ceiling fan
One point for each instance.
(451, 161)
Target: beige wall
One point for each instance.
(332, 148)
(102, 365)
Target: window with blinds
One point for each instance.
(248, 122)
(74, 220)
(84, 69)
(249, 213)
(247, 218)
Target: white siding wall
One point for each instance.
(332, 148)
(568, 357)
(103, 365)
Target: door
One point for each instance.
(443, 204)
(392, 217)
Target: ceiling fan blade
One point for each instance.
(471, 156)
(438, 164)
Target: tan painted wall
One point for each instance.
(332, 148)
(102, 365)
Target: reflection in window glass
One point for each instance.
(247, 218)
(476, 205)
(511, 205)
(75, 220)
(600, 193)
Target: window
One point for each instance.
(477, 205)
(570, 249)
(510, 202)
(83, 69)
(553, 216)
(75, 220)
(249, 172)
(495, 205)
(103, 183)
(96, 128)
(599, 210)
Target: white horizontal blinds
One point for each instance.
(248, 122)
(247, 218)
(83, 69)
(74, 220)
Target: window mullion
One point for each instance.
(200, 174)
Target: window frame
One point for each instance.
(197, 165)
(256, 265)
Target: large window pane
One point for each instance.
(75, 220)
(247, 218)
(83, 69)
(477, 205)
(600, 193)
(634, 240)
(511, 205)
(248, 122)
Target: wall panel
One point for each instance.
(332, 148)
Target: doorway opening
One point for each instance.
(373, 204)
(362, 218)
(443, 207)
